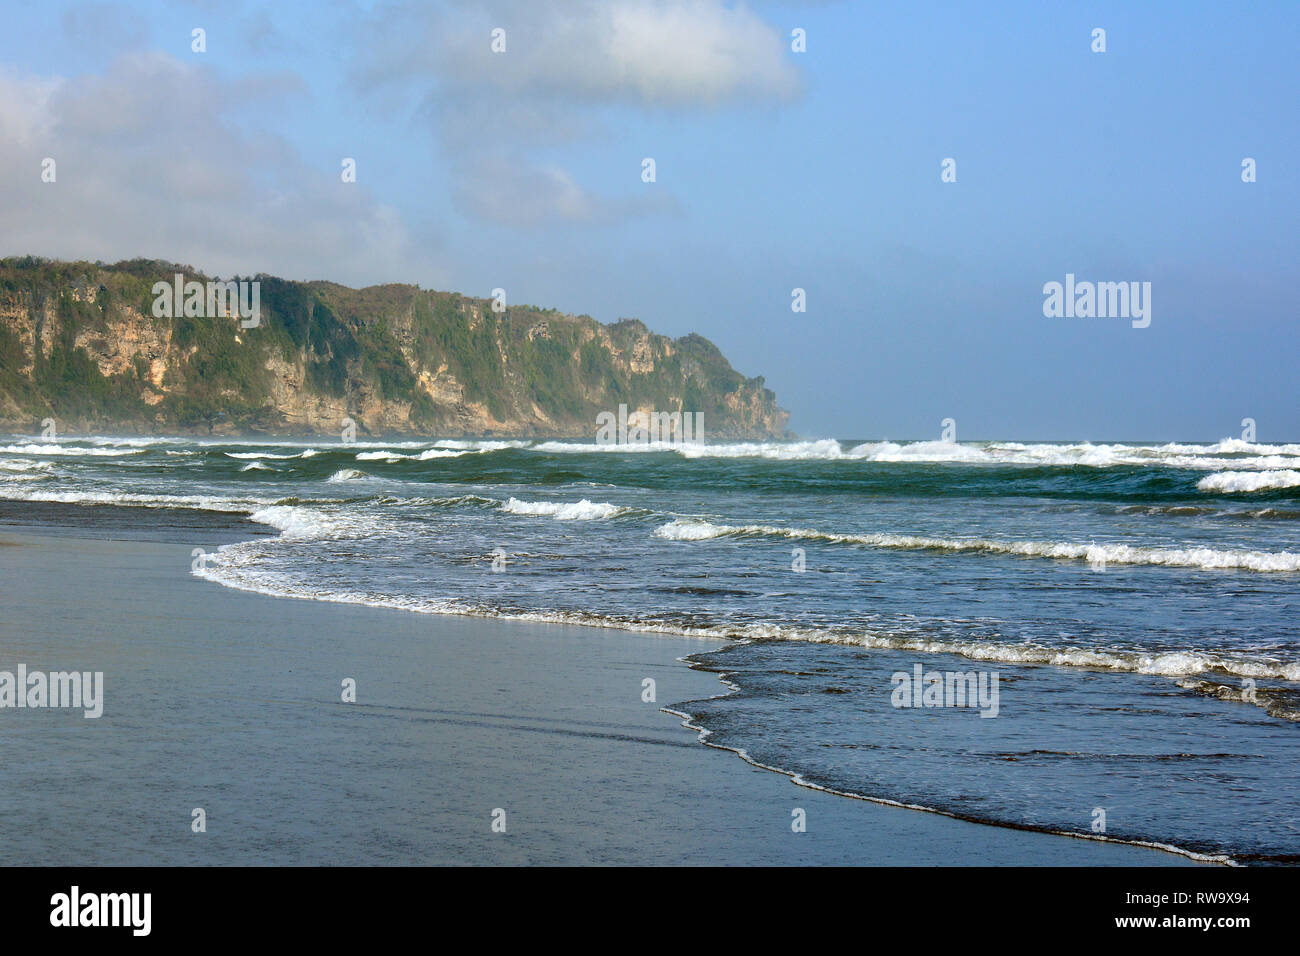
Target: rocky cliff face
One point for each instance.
(82, 343)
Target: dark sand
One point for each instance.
(230, 701)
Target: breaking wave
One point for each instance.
(1244, 481)
(691, 529)
(583, 510)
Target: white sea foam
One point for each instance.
(101, 441)
(826, 448)
(70, 450)
(1236, 481)
(130, 442)
(440, 453)
(242, 455)
(195, 502)
(1173, 455)
(1180, 663)
(577, 448)
(242, 566)
(425, 455)
(347, 474)
(691, 529)
(481, 444)
(296, 522)
(23, 465)
(380, 456)
(784, 451)
(583, 510)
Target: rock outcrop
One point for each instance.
(80, 342)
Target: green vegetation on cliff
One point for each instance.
(79, 342)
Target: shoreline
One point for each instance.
(795, 778)
(549, 713)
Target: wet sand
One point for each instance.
(232, 702)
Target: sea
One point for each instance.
(1122, 615)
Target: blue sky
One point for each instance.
(775, 170)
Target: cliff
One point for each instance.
(81, 343)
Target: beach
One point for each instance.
(231, 702)
(540, 433)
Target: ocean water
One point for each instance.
(1136, 602)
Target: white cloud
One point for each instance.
(564, 61)
(160, 159)
(679, 53)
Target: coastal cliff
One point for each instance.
(83, 343)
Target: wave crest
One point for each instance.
(1246, 481)
(692, 529)
(583, 510)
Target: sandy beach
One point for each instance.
(232, 702)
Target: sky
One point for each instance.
(775, 169)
